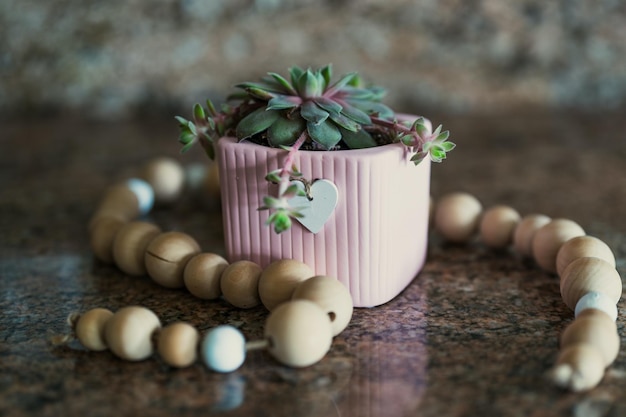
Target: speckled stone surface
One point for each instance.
(473, 335)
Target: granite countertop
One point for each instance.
(473, 335)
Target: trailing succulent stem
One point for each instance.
(308, 110)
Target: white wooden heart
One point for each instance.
(317, 211)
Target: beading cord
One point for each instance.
(307, 311)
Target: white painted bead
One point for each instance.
(598, 301)
(144, 193)
(223, 349)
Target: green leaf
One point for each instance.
(312, 113)
(345, 122)
(284, 83)
(295, 72)
(187, 147)
(407, 140)
(186, 137)
(256, 122)
(341, 83)
(331, 106)
(198, 113)
(259, 93)
(182, 122)
(259, 86)
(437, 154)
(308, 85)
(355, 114)
(285, 131)
(418, 157)
(447, 146)
(280, 102)
(370, 108)
(327, 74)
(211, 108)
(273, 176)
(326, 134)
(437, 131)
(357, 140)
(420, 127)
(443, 136)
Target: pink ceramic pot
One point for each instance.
(375, 241)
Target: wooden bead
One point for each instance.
(167, 178)
(331, 296)
(298, 333)
(178, 344)
(583, 247)
(240, 284)
(457, 216)
(525, 232)
(549, 239)
(120, 202)
(202, 275)
(594, 328)
(130, 244)
(579, 368)
(498, 225)
(279, 280)
(102, 236)
(90, 328)
(585, 275)
(166, 257)
(129, 333)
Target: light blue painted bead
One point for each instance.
(596, 300)
(223, 349)
(144, 193)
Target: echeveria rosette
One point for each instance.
(424, 142)
(308, 102)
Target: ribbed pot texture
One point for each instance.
(375, 241)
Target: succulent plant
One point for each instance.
(308, 110)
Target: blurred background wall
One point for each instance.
(123, 58)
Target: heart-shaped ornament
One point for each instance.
(317, 210)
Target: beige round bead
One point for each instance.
(579, 368)
(298, 333)
(331, 296)
(178, 344)
(585, 275)
(498, 225)
(102, 236)
(130, 244)
(129, 332)
(549, 239)
(583, 247)
(594, 328)
(525, 232)
(279, 280)
(120, 202)
(166, 257)
(202, 275)
(90, 328)
(457, 216)
(167, 178)
(240, 284)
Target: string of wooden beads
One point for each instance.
(589, 283)
(306, 311)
